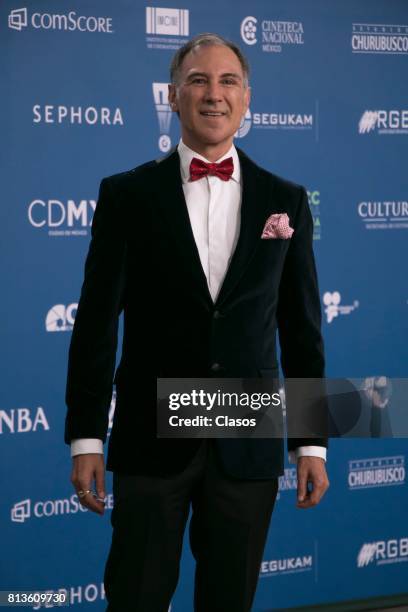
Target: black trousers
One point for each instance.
(228, 529)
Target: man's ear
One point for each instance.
(172, 97)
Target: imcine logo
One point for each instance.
(165, 25)
(168, 21)
(61, 318)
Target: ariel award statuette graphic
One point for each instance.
(161, 100)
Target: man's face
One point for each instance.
(210, 96)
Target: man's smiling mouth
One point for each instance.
(212, 113)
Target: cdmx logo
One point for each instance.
(164, 113)
(248, 30)
(61, 318)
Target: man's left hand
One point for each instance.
(311, 470)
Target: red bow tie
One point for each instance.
(199, 169)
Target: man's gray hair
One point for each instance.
(206, 40)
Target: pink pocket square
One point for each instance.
(277, 226)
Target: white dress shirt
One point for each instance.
(214, 209)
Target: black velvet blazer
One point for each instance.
(143, 260)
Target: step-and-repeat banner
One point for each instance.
(84, 95)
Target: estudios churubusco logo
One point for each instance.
(379, 38)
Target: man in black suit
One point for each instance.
(181, 246)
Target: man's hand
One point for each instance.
(85, 470)
(311, 470)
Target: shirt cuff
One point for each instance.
(83, 446)
(307, 451)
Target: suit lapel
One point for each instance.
(173, 208)
(254, 207)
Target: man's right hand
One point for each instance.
(87, 469)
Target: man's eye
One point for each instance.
(198, 80)
(228, 81)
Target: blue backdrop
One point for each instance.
(84, 96)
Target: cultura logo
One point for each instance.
(17, 20)
(61, 318)
(384, 214)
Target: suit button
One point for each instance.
(216, 367)
(218, 315)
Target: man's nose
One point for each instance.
(213, 92)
